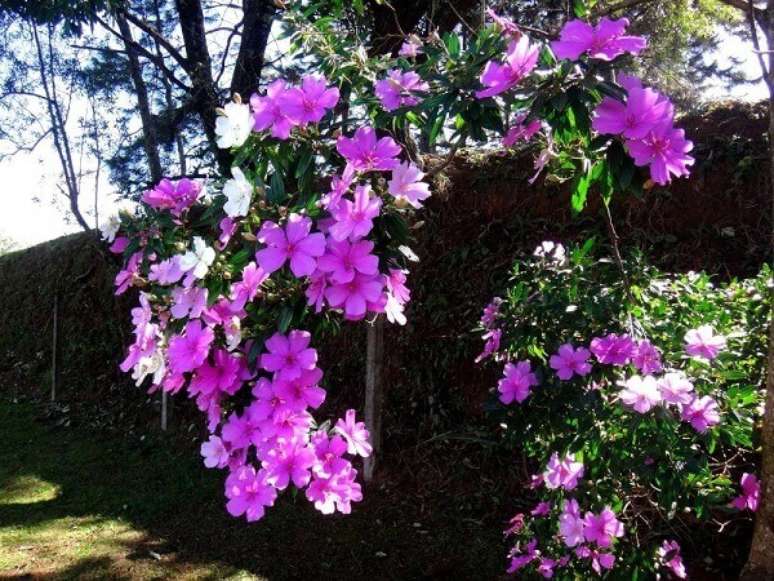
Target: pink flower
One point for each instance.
(492, 345)
(303, 391)
(355, 295)
(519, 560)
(295, 243)
(315, 292)
(491, 313)
(519, 62)
(641, 393)
(411, 47)
(223, 375)
(675, 388)
(339, 186)
(336, 492)
(119, 245)
(173, 196)
(395, 282)
(289, 461)
(269, 112)
(612, 349)
(541, 509)
(215, 453)
(751, 490)
(249, 493)
(571, 523)
(125, 278)
(399, 89)
(344, 259)
(646, 358)
(669, 553)
(516, 382)
(354, 219)
(665, 150)
(644, 110)
(355, 434)
(289, 356)
(406, 184)
(521, 131)
(568, 361)
(505, 24)
(239, 431)
(309, 103)
(364, 153)
(188, 302)
(605, 41)
(702, 413)
(603, 528)
(247, 289)
(167, 271)
(188, 351)
(703, 343)
(329, 452)
(562, 473)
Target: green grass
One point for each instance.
(76, 504)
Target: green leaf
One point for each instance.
(286, 315)
(276, 193)
(580, 191)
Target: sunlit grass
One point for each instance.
(26, 489)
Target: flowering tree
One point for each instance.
(635, 408)
(240, 275)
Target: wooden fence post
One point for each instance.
(374, 394)
(54, 347)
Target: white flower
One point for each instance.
(233, 128)
(152, 364)
(199, 259)
(239, 192)
(110, 227)
(233, 331)
(552, 251)
(394, 310)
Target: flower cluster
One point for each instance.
(599, 409)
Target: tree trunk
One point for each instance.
(760, 563)
(150, 138)
(374, 394)
(258, 18)
(204, 92)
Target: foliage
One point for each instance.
(658, 472)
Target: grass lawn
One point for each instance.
(74, 504)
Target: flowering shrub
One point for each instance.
(314, 220)
(635, 406)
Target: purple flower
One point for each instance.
(640, 393)
(364, 153)
(289, 356)
(173, 196)
(315, 292)
(703, 343)
(355, 434)
(295, 243)
(519, 560)
(701, 413)
(492, 345)
(248, 493)
(407, 185)
(399, 88)
(395, 282)
(167, 271)
(491, 312)
(244, 291)
(354, 295)
(188, 302)
(269, 111)
(665, 150)
(516, 382)
(289, 461)
(646, 358)
(238, 431)
(519, 62)
(675, 388)
(603, 528)
(562, 473)
(344, 259)
(605, 41)
(571, 523)
(354, 219)
(520, 130)
(339, 186)
(328, 452)
(215, 453)
(335, 492)
(227, 229)
(505, 24)
(309, 103)
(569, 361)
(669, 553)
(612, 349)
(188, 351)
(751, 490)
(644, 110)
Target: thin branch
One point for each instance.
(234, 32)
(158, 37)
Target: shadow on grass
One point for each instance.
(163, 514)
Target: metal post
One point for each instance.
(54, 347)
(374, 394)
